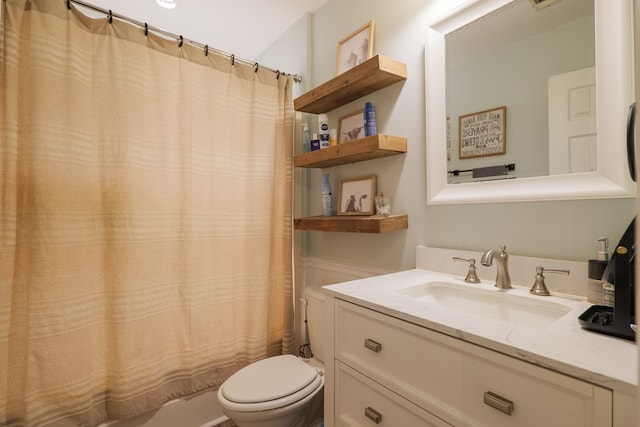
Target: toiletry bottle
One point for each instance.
(369, 119)
(306, 138)
(608, 294)
(327, 203)
(595, 291)
(315, 142)
(323, 130)
(333, 137)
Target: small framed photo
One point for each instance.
(356, 48)
(357, 196)
(351, 126)
(483, 133)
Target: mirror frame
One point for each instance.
(614, 94)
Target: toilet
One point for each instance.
(280, 391)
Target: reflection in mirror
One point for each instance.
(521, 82)
(511, 57)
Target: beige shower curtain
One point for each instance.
(145, 217)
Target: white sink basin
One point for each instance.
(503, 305)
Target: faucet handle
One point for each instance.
(539, 287)
(471, 277)
(503, 253)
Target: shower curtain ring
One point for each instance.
(110, 16)
(233, 59)
(277, 74)
(68, 4)
(146, 29)
(181, 41)
(255, 67)
(206, 50)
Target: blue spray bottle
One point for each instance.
(369, 119)
(327, 203)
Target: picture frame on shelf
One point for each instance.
(355, 48)
(483, 133)
(357, 195)
(351, 126)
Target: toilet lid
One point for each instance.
(269, 379)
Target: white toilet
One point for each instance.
(280, 391)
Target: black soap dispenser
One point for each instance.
(596, 270)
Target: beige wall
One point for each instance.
(562, 230)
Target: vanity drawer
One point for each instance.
(362, 402)
(452, 379)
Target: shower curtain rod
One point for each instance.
(181, 40)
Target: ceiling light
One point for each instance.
(167, 4)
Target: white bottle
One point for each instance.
(323, 130)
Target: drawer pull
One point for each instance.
(373, 415)
(498, 402)
(373, 345)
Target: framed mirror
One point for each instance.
(606, 175)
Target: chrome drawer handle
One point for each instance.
(498, 402)
(372, 345)
(373, 415)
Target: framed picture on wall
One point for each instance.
(356, 48)
(351, 126)
(483, 133)
(357, 196)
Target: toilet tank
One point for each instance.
(315, 317)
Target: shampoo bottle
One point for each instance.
(595, 290)
(327, 203)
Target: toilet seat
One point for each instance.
(270, 383)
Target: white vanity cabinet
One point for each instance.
(390, 372)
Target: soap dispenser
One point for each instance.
(595, 293)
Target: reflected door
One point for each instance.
(572, 122)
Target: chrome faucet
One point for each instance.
(503, 280)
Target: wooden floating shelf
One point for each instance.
(368, 148)
(372, 75)
(354, 224)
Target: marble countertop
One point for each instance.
(563, 346)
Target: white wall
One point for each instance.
(561, 230)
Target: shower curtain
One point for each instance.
(145, 217)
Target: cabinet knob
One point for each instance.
(372, 345)
(373, 415)
(498, 402)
